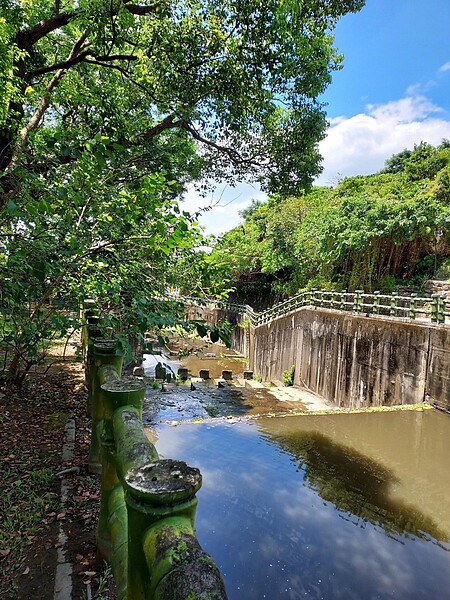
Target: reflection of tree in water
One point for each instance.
(356, 484)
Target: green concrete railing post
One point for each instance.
(435, 308)
(441, 312)
(112, 529)
(110, 487)
(412, 306)
(104, 355)
(164, 557)
(321, 298)
(92, 332)
(393, 305)
(357, 300)
(88, 308)
(376, 303)
(333, 299)
(89, 332)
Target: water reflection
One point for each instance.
(394, 463)
(356, 484)
(213, 357)
(278, 510)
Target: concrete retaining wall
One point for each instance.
(353, 361)
(438, 375)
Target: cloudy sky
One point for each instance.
(393, 92)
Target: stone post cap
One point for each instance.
(104, 346)
(124, 385)
(163, 482)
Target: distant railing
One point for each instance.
(147, 506)
(435, 309)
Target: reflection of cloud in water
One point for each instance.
(254, 479)
(379, 562)
(214, 480)
(356, 484)
(271, 532)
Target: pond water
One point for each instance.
(213, 357)
(331, 507)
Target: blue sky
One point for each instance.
(390, 46)
(392, 93)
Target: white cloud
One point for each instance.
(220, 209)
(404, 110)
(359, 145)
(356, 145)
(445, 67)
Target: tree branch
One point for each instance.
(167, 123)
(65, 64)
(138, 9)
(80, 58)
(26, 38)
(42, 106)
(233, 154)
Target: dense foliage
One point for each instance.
(107, 110)
(370, 232)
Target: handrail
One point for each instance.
(147, 506)
(435, 308)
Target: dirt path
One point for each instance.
(32, 434)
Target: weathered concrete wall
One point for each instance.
(438, 375)
(353, 361)
(350, 360)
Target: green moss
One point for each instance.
(212, 410)
(56, 420)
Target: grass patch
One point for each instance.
(212, 410)
(56, 420)
(26, 499)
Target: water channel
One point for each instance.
(333, 506)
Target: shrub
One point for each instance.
(288, 376)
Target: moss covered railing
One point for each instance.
(434, 308)
(146, 522)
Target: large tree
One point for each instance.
(108, 108)
(239, 77)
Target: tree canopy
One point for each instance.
(239, 78)
(109, 108)
(375, 231)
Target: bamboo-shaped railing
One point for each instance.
(435, 309)
(147, 507)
